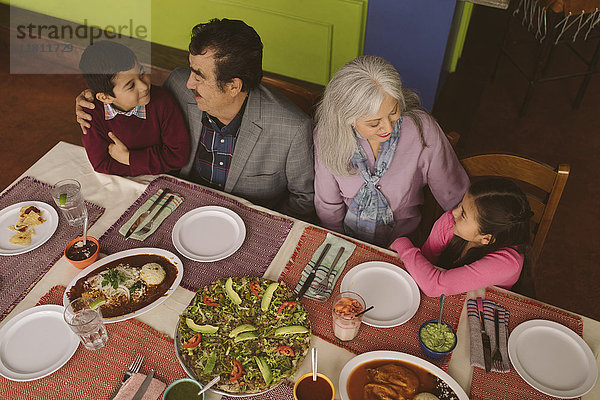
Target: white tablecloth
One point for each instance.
(116, 194)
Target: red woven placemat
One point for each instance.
(510, 385)
(20, 273)
(265, 234)
(284, 391)
(96, 374)
(400, 338)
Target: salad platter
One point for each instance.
(248, 330)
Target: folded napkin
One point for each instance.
(475, 328)
(174, 199)
(336, 243)
(132, 385)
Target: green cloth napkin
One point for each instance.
(336, 243)
(174, 199)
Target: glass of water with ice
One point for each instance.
(86, 322)
(67, 196)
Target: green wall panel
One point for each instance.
(303, 39)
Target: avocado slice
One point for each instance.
(290, 330)
(210, 363)
(268, 296)
(200, 328)
(232, 294)
(240, 329)
(245, 336)
(264, 370)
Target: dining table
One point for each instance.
(114, 196)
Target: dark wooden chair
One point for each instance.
(303, 97)
(542, 184)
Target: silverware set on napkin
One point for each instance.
(134, 368)
(485, 338)
(143, 222)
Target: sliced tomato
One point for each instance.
(286, 305)
(209, 301)
(193, 342)
(285, 350)
(236, 372)
(255, 288)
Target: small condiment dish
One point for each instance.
(307, 389)
(183, 389)
(433, 353)
(81, 264)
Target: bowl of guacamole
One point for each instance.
(437, 340)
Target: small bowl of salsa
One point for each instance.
(81, 255)
(307, 389)
(183, 389)
(437, 341)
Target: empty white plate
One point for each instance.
(209, 233)
(43, 232)
(552, 358)
(36, 343)
(386, 286)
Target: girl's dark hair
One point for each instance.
(237, 47)
(503, 212)
(102, 61)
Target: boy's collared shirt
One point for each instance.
(217, 142)
(110, 112)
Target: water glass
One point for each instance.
(345, 321)
(86, 322)
(73, 206)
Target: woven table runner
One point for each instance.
(265, 234)
(510, 385)
(96, 374)
(400, 338)
(20, 273)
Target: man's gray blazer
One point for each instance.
(272, 163)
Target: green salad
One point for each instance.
(249, 331)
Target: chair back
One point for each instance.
(304, 98)
(543, 186)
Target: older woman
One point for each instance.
(375, 150)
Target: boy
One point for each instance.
(130, 134)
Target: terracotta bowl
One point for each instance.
(88, 261)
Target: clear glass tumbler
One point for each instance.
(345, 321)
(86, 322)
(67, 196)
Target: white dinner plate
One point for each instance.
(395, 355)
(552, 358)
(208, 234)
(36, 343)
(176, 261)
(389, 288)
(43, 232)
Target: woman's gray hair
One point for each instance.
(357, 90)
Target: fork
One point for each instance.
(148, 227)
(133, 368)
(497, 356)
(322, 287)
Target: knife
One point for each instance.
(142, 389)
(145, 214)
(485, 339)
(313, 273)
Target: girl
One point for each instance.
(480, 243)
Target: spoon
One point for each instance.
(85, 226)
(439, 321)
(209, 384)
(314, 363)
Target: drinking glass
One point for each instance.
(71, 204)
(345, 321)
(86, 322)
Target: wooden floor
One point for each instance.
(37, 111)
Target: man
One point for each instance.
(245, 139)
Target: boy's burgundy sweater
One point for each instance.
(160, 143)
